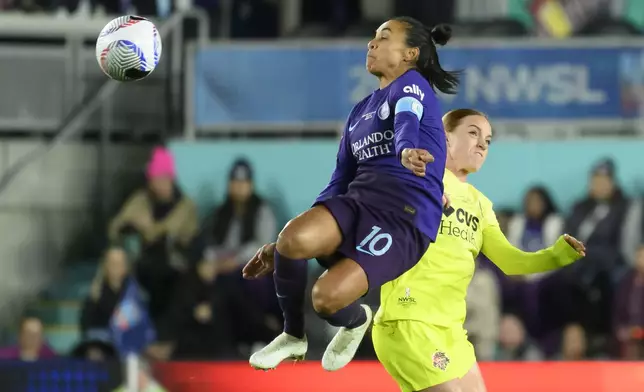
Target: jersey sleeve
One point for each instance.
(345, 169)
(409, 95)
(514, 261)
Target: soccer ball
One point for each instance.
(128, 48)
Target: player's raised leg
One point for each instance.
(376, 247)
(312, 234)
(334, 299)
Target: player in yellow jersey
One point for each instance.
(418, 331)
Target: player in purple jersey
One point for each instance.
(383, 205)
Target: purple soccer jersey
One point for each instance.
(405, 114)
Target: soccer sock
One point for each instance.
(350, 317)
(290, 286)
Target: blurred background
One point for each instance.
(142, 201)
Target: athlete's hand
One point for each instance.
(577, 245)
(261, 264)
(415, 159)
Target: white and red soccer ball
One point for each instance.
(128, 48)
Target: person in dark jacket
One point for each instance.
(582, 293)
(241, 224)
(235, 230)
(597, 219)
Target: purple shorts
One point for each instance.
(384, 244)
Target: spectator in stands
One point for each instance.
(483, 312)
(514, 344)
(574, 344)
(241, 225)
(105, 294)
(628, 317)
(31, 343)
(165, 221)
(597, 220)
(539, 225)
(236, 230)
(201, 320)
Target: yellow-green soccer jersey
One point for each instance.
(434, 290)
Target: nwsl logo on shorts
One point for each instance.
(407, 299)
(440, 360)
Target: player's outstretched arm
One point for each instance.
(513, 261)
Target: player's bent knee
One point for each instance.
(326, 300)
(294, 244)
(311, 234)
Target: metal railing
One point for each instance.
(81, 113)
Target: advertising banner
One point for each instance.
(312, 86)
(371, 376)
(59, 375)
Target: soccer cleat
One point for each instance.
(280, 349)
(345, 343)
